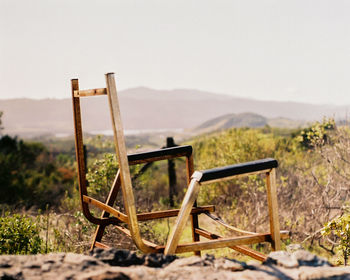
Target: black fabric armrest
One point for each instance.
(160, 154)
(237, 169)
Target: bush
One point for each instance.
(317, 134)
(19, 234)
(340, 228)
(29, 176)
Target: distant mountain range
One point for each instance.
(149, 109)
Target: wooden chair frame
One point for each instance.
(189, 208)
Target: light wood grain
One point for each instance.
(121, 216)
(126, 186)
(182, 218)
(273, 209)
(172, 213)
(239, 248)
(90, 92)
(221, 243)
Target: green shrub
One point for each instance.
(19, 234)
(317, 134)
(101, 175)
(340, 228)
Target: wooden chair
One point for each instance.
(127, 222)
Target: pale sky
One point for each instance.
(296, 50)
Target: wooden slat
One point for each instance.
(145, 216)
(182, 248)
(180, 223)
(221, 222)
(101, 245)
(249, 252)
(224, 242)
(194, 217)
(153, 159)
(126, 185)
(160, 154)
(273, 209)
(239, 248)
(122, 217)
(172, 213)
(283, 233)
(90, 92)
(148, 243)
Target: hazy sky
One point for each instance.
(275, 50)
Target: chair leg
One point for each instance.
(97, 236)
(187, 204)
(112, 196)
(195, 225)
(194, 217)
(273, 209)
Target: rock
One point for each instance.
(334, 273)
(298, 258)
(117, 257)
(109, 276)
(32, 265)
(5, 262)
(11, 276)
(46, 267)
(158, 260)
(190, 261)
(123, 264)
(253, 263)
(282, 258)
(305, 258)
(82, 261)
(227, 264)
(120, 257)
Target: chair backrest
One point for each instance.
(119, 141)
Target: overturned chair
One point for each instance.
(127, 222)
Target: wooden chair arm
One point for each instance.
(161, 154)
(237, 169)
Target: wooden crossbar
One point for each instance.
(173, 213)
(203, 245)
(221, 222)
(106, 208)
(239, 248)
(90, 92)
(223, 242)
(145, 216)
(162, 154)
(101, 245)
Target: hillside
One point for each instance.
(245, 120)
(144, 108)
(235, 120)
